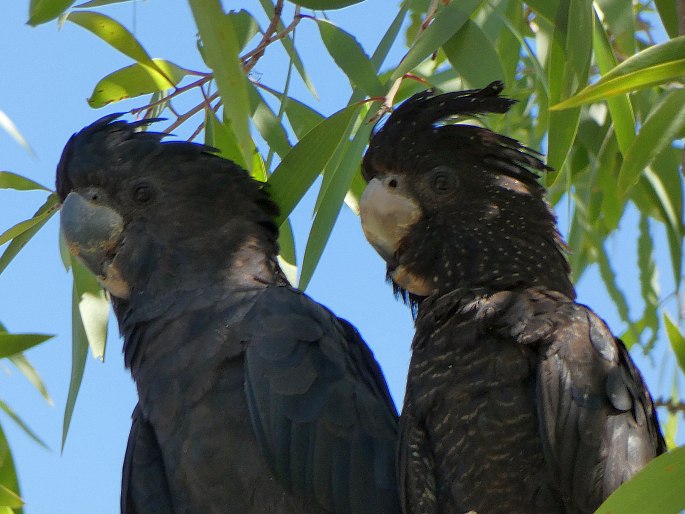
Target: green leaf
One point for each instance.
(300, 167)
(50, 207)
(116, 35)
(244, 26)
(656, 489)
(665, 123)
(99, 3)
(331, 201)
(649, 284)
(8, 473)
(27, 369)
(323, 5)
(221, 137)
(287, 257)
(350, 58)
(289, 47)
(389, 37)
(9, 498)
(222, 53)
(93, 308)
(135, 80)
(79, 351)
(11, 344)
(568, 70)
(546, 8)
(269, 126)
(668, 12)
(677, 340)
(472, 54)
(9, 180)
(445, 24)
(20, 423)
(41, 11)
(8, 125)
(658, 64)
(619, 106)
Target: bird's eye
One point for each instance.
(443, 180)
(142, 193)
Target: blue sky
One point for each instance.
(45, 77)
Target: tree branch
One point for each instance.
(672, 406)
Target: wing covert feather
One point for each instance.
(319, 405)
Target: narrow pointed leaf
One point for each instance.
(8, 125)
(446, 23)
(27, 369)
(221, 137)
(389, 37)
(99, 3)
(269, 125)
(79, 352)
(135, 80)
(93, 308)
(568, 70)
(619, 106)
(350, 58)
(11, 344)
(331, 202)
(116, 35)
(8, 473)
(289, 47)
(470, 40)
(9, 498)
(668, 12)
(300, 167)
(42, 11)
(677, 340)
(50, 207)
(9, 180)
(656, 489)
(658, 64)
(20, 423)
(287, 257)
(221, 52)
(323, 5)
(665, 123)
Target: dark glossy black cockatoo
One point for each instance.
(518, 398)
(253, 398)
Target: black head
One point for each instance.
(453, 205)
(148, 215)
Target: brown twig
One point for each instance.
(671, 405)
(192, 112)
(250, 59)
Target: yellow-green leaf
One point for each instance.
(115, 34)
(41, 11)
(220, 45)
(9, 126)
(50, 207)
(135, 80)
(11, 344)
(9, 498)
(9, 180)
(658, 64)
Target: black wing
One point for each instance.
(597, 418)
(320, 406)
(144, 488)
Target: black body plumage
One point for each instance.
(253, 398)
(518, 398)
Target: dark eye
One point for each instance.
(443, 180)
(142, 193)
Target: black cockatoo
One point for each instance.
(518, 398)
(253, 398)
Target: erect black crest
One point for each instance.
(422, 128)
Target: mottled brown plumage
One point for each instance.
(518, 398)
